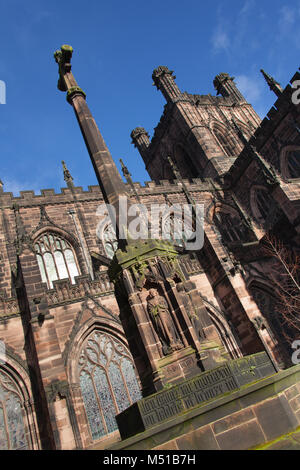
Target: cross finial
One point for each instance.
(63, 59)
(66, 81)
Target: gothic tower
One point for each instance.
(199, 131)
(104, 335)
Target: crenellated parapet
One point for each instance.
(282, 110)
(49, 196)
(64, 292)
(282, 107)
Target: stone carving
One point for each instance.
(9, 307)
(137, 132)
(191, 265)
(57, 389)
(63, 291)
(184, 396)
(159, 72)
(140, 271)
(161, 318)
(194, 318)
(259, 323)
(23, 239)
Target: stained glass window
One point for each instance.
(55, 258)
(110, 241)
(12, 428)
(107, 380)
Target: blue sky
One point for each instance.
(116, 45)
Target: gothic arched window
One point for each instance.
(110, 241)
(274, 322)
(172, 230)
(267, 305)
(243, 129)
(12, 415)
(264, 202)
(107, 380)
(232, 227)
(225, 140)
(177, 229)
(56, 259)
(293, 164)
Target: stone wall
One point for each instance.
(242, 420)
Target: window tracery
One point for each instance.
(12, 414)
(110, 242)
(55, 258)
(232, 227)
(107, 380)
(177, 229)
(264, 202)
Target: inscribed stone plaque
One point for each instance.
(204, 387)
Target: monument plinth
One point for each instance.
(204, 387)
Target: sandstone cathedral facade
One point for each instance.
(89, 326)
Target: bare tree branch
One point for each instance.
(285, 276)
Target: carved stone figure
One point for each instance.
(161, 318)
(194, 318)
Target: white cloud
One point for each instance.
(14, 186)
(220, 40)
(224, 40)
(251, 88)
(247, 7)
(287, 18)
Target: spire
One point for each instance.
(125, 172)
(273, 85)
(127, 176)
(140, 139)
(67, 176)
(225, 86)
(164, 80)
(1, 186)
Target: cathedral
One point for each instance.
(91, 323)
